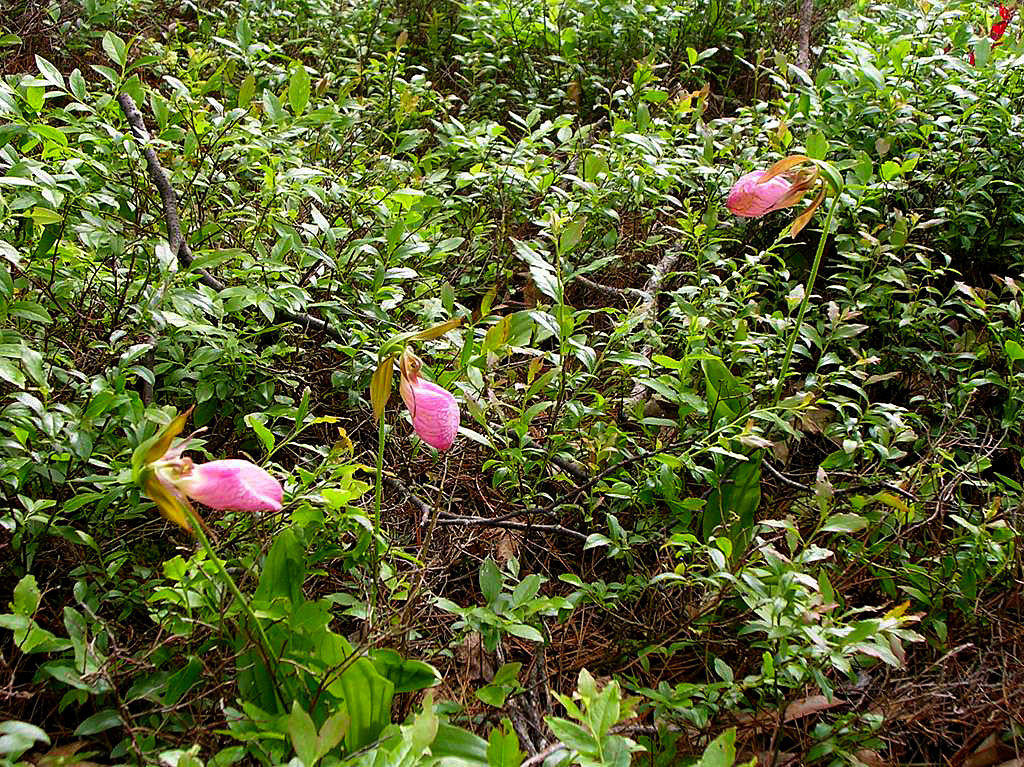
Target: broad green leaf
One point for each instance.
(101, 721)
(266, 436)
(77, 84)
(844, 523)
(26, 597)
(503, 746)
(1014, 350)
(490, 580)
(817, 146)
(523, 631)
(49, 72)
(302, 733)
(721, 752)
(406, 675)
(368, 698)
(298, 89)
(572, 735)
(246, 91)
(115, 49)
(284, 571)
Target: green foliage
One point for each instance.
(588, 737)
(819, 481)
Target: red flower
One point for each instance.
(998, 29)
(1005, 13)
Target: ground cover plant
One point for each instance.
(707, 440)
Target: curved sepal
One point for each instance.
(154, 448)
(171, 506)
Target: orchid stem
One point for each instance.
(266, 648)
(806, 300)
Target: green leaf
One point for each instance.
(298, 89)
(817, 146)
(9, 372)
(571, 234)
(34, 97)
(725, 393)
(1014, 350)
(78, 86)
(283, 571)
(18, 737)
(844, 523)
(523, 631)
(266, 436)
(101, 721)
(490, 580)
(526, 590)
(272, 107)
(302, 733)
(572, 735)
(503, 747)
(49, 72)
(246, 91)
(734, 501)
(455, 742)
(183, 680)
(890, 170)
(436, 331)
(721, 752)
(115, 49)
(406, 675)
(26, 597)
(368, 698)
(493, 695)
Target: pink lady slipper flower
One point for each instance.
(171, 479)
(435, 413)
(752, 197)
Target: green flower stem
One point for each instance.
(267, 650)
(806, 300)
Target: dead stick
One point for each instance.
(648, 311)
(621, 293)
(452, 520)
(179, 246)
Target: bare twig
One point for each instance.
(576, 471)
(647, 311)
(803, 42)
(621, 293)
(178, 243)
(540, 757)
(450, 520)
(892, 487)
(400, 487)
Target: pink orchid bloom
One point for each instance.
(750, 197)
(171, 479)
(230, 483)
(435, 413)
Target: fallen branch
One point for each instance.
(621, 293)
(178, 243)
(453, 520)
(576, 471)
(539, 758)
(803, 45)
(863, 487)
(399, 487)
(647, 312)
